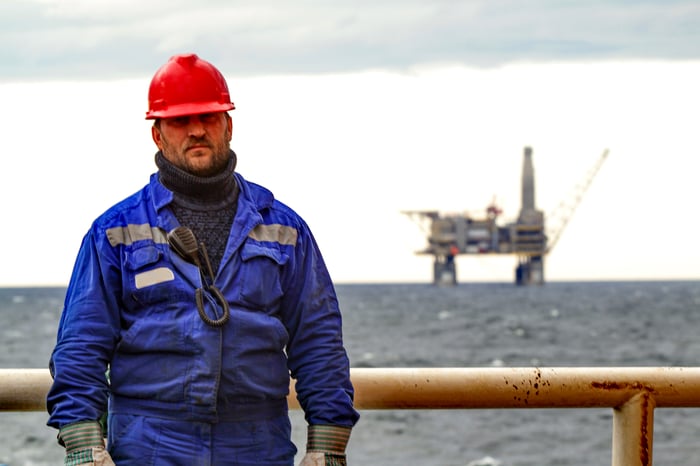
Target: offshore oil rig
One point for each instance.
(527, 238)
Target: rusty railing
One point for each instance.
(633, 393)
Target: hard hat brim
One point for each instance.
(196, 108)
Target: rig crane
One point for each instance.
(526, 238)
(560, 216)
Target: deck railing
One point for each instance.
(633, 393)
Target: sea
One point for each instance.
(579, 324)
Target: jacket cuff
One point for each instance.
(81, 436)
(332, 439)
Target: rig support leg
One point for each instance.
(444, 270)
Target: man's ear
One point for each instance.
(157, 138)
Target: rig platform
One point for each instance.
(450, 235)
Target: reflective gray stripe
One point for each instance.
(274, 233)
(130, 233)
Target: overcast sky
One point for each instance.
(352, 112)
(110, 39)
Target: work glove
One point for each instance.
(84, 444)
(325, 446)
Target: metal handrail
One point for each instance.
(632, 392)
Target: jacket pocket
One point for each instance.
(261, 268)
(148, 277)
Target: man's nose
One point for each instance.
(196, 126)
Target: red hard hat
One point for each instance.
(187, 85)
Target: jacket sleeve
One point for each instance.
(317, 357)
(87, 334)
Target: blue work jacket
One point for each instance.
(130, 331)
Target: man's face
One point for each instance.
(198, 144)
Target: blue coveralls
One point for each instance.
(180, 387)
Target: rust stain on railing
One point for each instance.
(608, 385)
(531, 386)
(645, 447)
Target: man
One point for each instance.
(190, 305)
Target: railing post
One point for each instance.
(633, 431)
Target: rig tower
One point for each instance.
(530, 240)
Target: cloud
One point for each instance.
(103, 39)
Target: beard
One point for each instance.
(194, 161)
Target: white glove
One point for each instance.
(84, 444)
(325, 446)
(93, 456)
(101, 457)
(319, 458)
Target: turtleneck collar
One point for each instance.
(187, 186)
